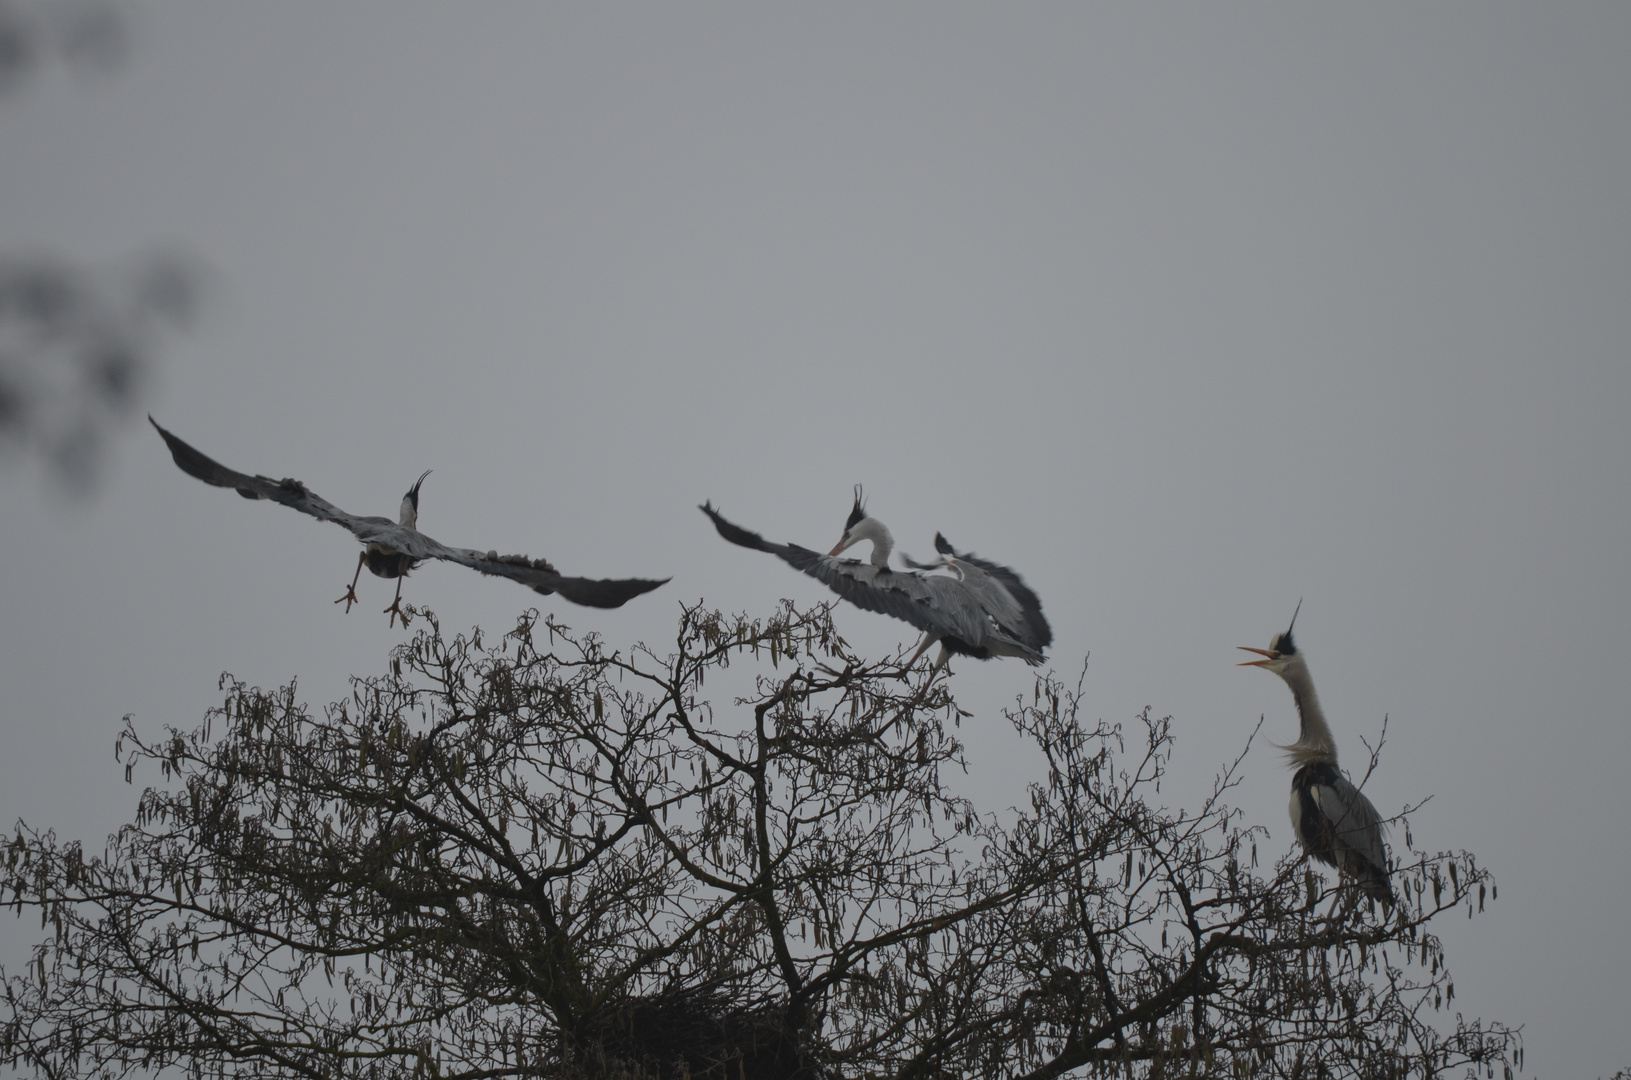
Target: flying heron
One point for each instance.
(979, 609)
(392, 549)
(1333, 820)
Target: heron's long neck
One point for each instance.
(882, 543)
(1315, 743)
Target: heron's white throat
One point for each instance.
(1315, 742)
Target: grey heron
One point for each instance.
(1333, 820)
(979, 609)
(391, 549)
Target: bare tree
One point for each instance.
(537, 857)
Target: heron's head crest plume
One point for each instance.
(861, 527)
(942, 545)
(409, 514)
(857, 512)
(1282, 643)
(1281, 654)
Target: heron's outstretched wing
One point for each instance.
(938, 605)
(1030, 626)
(537, 574)
(291, 493)
(1357, 831)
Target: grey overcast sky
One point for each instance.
(1185, 312)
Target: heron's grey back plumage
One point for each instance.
(935, 604)
(1020, 608)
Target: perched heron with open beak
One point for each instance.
(978, 609)
(1333, 820)
(392, 549)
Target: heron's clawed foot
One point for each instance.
(350, 596)
(395, 610)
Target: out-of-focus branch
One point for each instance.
(77, 353)
(77, 344)
(85, 34)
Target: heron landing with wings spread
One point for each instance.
(392, 549)
(1333, 820)
(977, 609)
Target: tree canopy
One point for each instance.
(536, 856)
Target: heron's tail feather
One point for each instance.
(1366, 874)
(1003, 645)
(1374, 881)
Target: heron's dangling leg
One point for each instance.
(940, 661)
(350, 596)
(929, 638)
(396, 604)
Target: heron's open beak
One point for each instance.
(1267, 654)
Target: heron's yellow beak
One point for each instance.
(837, 547)
(1267, 654)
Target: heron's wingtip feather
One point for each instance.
(201, 466)
(602, 593)
(735, 533)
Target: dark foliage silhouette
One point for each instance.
(534, 856)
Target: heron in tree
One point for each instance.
(391, 549)
(978, 609)
(1333, 820)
